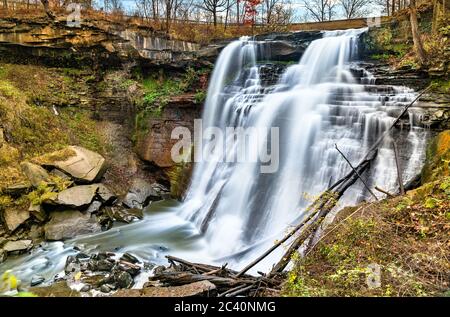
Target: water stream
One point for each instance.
(232, 211)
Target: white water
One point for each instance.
(233, 212)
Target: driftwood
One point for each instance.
(384, 192)
(227, 282)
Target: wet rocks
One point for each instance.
(141, 192)
(123, 214)
(2, 255)
(36, 280)
(102, 271)
(69, 224)
(35, 173)
(124, 279)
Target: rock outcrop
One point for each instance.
(14, 217)
(82, 164)
(96, 42)
(77, 197)
(34, 173)
(69, 224)
(154, 145)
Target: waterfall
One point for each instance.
(232, 210)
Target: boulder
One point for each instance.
(18, 246)
(141, 192)
(17, 190)
(94, 207)
(124, 215)
(202, 288)
(77, 197)
(69, 224)
(15, 217)
(37, 212)
(82, 164)
(3, 256)
(35, 173)
(105, 194)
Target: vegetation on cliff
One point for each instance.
(41, 110)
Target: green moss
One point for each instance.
(43, 193)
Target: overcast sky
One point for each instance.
(297, 5)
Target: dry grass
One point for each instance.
(31, 128)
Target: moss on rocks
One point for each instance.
(438, 158)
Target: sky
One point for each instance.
(297, 5)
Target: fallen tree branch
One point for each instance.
(384, 192)
(324, 204)
(356, 172)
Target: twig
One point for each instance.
(384, 192)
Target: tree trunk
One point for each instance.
(237, 13)
(215, 18)
(227, 13)
(47, 9)
(416, 34)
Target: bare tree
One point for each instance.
(415, 33)
(47, 9)
(269, 8)
(214, 7)
(116, 5)
(145, 8)
(320, 10)
(355, 8)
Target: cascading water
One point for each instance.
(233, 211)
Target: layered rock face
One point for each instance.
(57, 43)
(155, 145)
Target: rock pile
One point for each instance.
(63, 198)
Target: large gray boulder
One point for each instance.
(69, 224)
(35, 173)
(76, 197)
(14, 217)
(141, 192)
(83, 165)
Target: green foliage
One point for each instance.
(44, 192)
(200, 97)
(381, 57)
(404, 203)
(431, 203)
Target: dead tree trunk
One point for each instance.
(420, 51)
